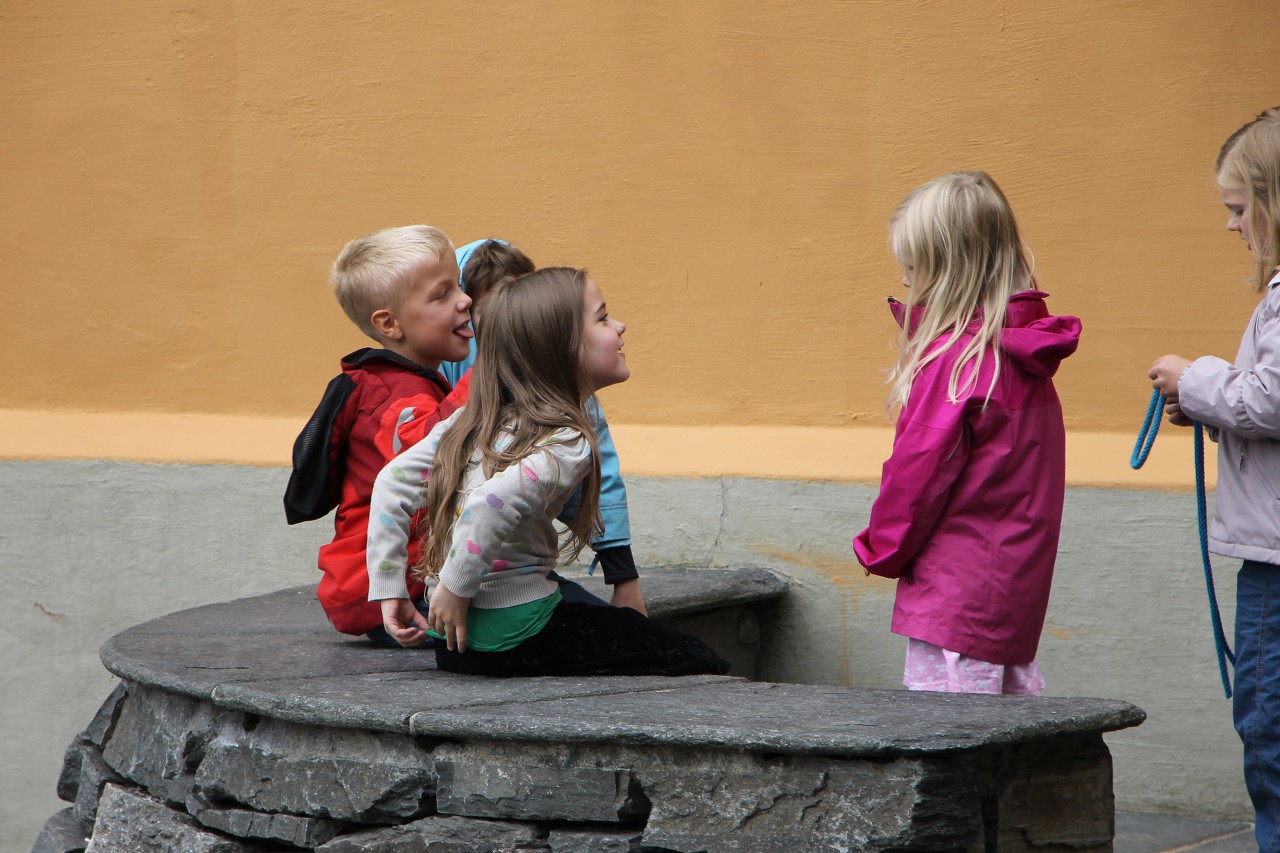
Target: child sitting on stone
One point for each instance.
(400, 287)
(492, 478)
(484, 264)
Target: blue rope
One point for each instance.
(1147, 434)
(1141, 450)
(1202, 518)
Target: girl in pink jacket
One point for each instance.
(970, 502)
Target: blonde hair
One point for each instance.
(376, 271)
(1249, 162)
(959, 247)
(528, 381)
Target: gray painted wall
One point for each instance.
(91, 548)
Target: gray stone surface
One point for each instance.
(536, 782)
(1240, 842)
(786, 718)
(131, 822)
(1046, 793)
(718, 799)
(90, 739)
(160, 739)
(262, 637)
(61, 833)
(443, 835)
(738, 801)
(69, 774)
(1140, 833)
(299, 831)
(195, 665)
(593, 841)
(104, 720)
(272, 729)
(340, 774)
(94, 776)
(254, 642)
(386, 701)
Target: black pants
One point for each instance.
(569, 590)
(585, 639)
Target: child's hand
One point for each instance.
(403, 621)
(1176, 417)
(447, 616)
(1164, 375)
(627, 594)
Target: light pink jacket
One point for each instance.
(970, 503)
(1241, 400)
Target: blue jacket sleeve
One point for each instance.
(613, 491)
(613, 546)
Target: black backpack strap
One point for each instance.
(315, 486)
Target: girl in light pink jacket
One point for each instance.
(1239, 401)
(970, 503)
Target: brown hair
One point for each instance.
(528, 382)
(491, 263)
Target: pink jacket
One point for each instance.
(970, 502)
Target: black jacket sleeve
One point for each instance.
(315, 486)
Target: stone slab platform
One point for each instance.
(277, 656)
(252, 723)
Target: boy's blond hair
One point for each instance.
(376, 271)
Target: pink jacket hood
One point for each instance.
(1032, 337)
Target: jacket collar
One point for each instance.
(368, 355)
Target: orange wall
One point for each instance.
(175, 180)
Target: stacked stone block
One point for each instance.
(157, 771)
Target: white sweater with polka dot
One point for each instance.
(503, 542)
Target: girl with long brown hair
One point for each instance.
(492, 479)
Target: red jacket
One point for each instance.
(970, 503)
(380, 405)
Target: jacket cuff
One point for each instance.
(617, 564)
(1182, 375)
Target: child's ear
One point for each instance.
(385, 324)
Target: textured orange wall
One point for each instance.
(175, 180)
